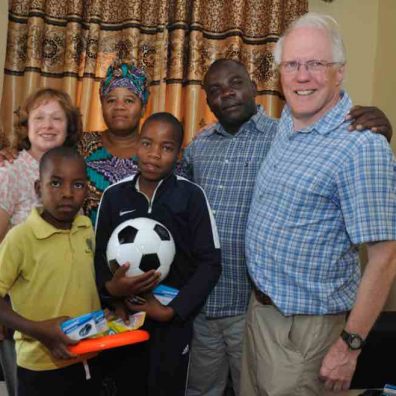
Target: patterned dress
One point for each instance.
(103, 169)
(17, 194)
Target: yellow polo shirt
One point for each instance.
(48, 273)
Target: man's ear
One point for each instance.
(37, 188)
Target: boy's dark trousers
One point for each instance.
(155, 368)
(67, 381)
(169, 354)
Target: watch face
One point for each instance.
(355, 342)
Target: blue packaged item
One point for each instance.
(389, 390)
(165, 294)
(85, 326)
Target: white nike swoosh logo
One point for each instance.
(123, 212)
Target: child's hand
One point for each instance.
(121, 285)
(121, 310)
(153, 308)
(49, 333)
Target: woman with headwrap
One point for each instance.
(110, 155)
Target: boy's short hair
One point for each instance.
(170, 119)
(59, 152)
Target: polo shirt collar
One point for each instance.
(42, 229)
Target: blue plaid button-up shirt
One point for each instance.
(226, 167)
(320, 192)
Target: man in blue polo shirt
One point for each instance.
(320, 193)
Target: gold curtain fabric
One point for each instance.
(69, 44)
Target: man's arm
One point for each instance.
(339, 363)
(367, 117)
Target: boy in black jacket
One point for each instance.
(181, 206)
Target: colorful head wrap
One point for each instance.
(125, 76)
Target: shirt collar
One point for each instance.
(137, 184)
(43, 229)
(329, 122)
(163, 182)
(218, 128)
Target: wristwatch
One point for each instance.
(353, 340)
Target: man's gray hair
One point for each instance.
(320, 21)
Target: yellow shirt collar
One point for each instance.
(43, 229)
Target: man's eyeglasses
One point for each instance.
(311, 66)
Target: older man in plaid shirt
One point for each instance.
(225, 160)
(320, 193)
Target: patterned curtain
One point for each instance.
(69, 44)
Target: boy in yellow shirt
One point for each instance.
(46, 266)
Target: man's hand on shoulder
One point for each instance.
(338, 366)
(370, 117)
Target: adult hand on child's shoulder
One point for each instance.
(49, 333)
(153, 308)
(122, 285)
(7, 154)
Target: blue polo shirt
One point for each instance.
(320, 193)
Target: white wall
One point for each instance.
(384, 81)
(358, 20)
(369, 30)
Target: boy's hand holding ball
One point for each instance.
(121, 285)
(153, 308)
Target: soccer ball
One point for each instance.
(144, 243)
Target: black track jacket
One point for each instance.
(182, 207)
